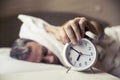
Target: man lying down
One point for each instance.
(42, 42)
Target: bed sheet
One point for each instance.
(12, 69)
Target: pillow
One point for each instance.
(11, 65)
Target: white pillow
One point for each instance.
(10, 65)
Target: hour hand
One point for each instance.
(78, 57)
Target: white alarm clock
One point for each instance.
(82, 56)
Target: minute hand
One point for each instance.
(79, 52)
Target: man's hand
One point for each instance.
(74, 30)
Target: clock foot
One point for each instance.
(92, 70)
(68, 69)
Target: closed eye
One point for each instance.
(44, 61)
(45, 51)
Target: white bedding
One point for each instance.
(10, 65)
(12, 69)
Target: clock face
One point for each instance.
(81, 56)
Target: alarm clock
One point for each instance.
(82, 56)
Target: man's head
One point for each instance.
(29, 50)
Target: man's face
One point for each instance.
(39, 53)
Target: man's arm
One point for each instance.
(74, 30)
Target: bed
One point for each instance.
(11, 69)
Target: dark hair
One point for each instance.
(19, 50)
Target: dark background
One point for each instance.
(55, 12)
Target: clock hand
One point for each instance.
(76, 51)
(79, 52)
(78, 57)
(86, 54)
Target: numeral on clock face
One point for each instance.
(90, 59)
(81, 56)
(89, 48)
(80, 64)
(91, 53)
(74, 62)
(70, 59)
(85, 63)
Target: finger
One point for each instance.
(83, 23)
(70, 33)
(76, 28)
(99, 28)
(64, 37)
(94, 27)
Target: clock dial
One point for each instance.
(81, 56)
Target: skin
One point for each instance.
(71, 31)
(74, 30)
(39, 53)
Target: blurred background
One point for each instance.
(55, 12)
